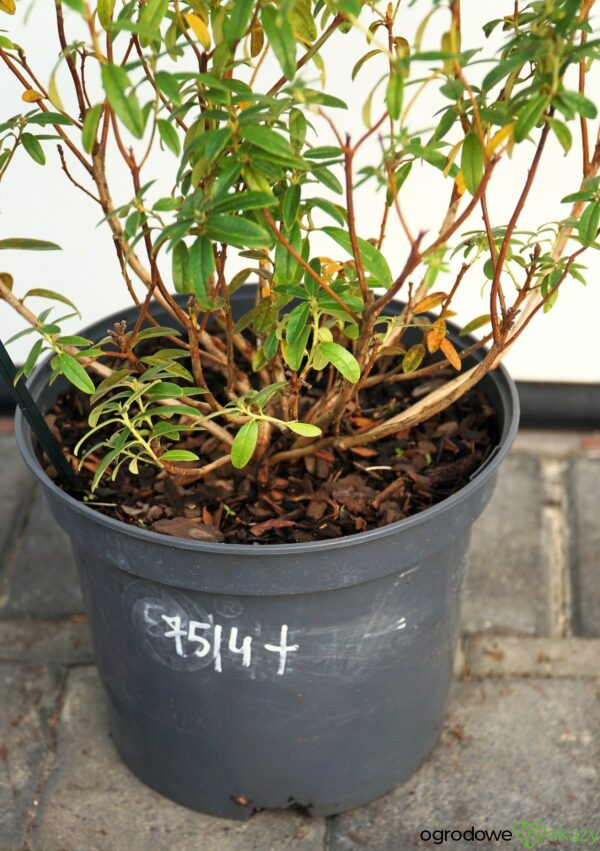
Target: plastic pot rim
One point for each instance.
(508, 395)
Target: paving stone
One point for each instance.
(507, 584)
(510, 655)
(46, 642)
(510, 750)
(15, 485)
(28, 699)
(41, 580)
(92, 801)
(584, 492)
(553, 444)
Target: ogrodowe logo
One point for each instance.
(532, 832)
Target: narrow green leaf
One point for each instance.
(169, 86)
(180, 268)
(105, 10)
(201, 266)
(244, 444)
(588, 223)
(343, 360)
(296, 323)
(328, 179)
(24, 244)
(394, 95)
(75, 373)
(474, 324)
(151, 17)
(234, 230)
(304, 429)
(43, 293)
(281, 40)
(291, 203)
(472, 161)
(244, 201)
(268, 140)
(237, 24)
(44, 118)
(116, 84)
(562, 133)
(529, 116)
(31, 359)
(33, 148)
(90, 127)
(373, 260)
(169, 135)
(179, 455)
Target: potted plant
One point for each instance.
(280, 462)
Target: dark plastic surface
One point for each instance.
(256, 676)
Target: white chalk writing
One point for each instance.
(207, 639)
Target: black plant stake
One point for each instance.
(31, 413)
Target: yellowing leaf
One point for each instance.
(53, 92)
(7, 280)
(435, 336)
(199, 28)
(30, 95)
(499, 137)
(451, 354)
(430, 301)
(8, 6)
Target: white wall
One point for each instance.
(39, 202)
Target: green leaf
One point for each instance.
(74, 372)
(291, 203)
(44, 118)
(43, 293)
(169, 86)
(270, 141)
(244, 444)
(169, 135)
(588, 223)
(336, 212)
(31, 359)
(502, 69)
(201, 266)
(474, 324)
(394, 95)
(90, 127)
(179, 455)
(33, 148)
(237, 24)
(529, 116)
(304, 429)
(234, 230)
(151, 17)
(342, 360)
(580, 103)
(373, 260)
(296, 323)
(116, 83)
(25, 244)
(293, 354)
(472, 161)
(180, 268)
(281, 40)
(244, 201)
(328, 179)
(362, 61)
(562, 133)
(105, 9)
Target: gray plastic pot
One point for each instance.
(243, 677)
